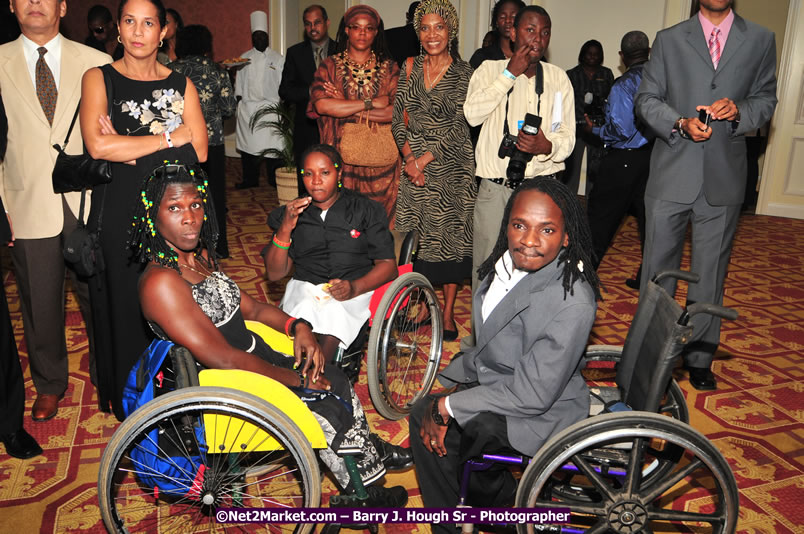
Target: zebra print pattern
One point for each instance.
(442, 209)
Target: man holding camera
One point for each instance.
(527, 111)
(715, 67)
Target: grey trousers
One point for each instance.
(713, 229)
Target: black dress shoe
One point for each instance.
(450, 335)
(702, 378)
(394, 457)
(633, 283)
(21, 444)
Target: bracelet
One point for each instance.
(680, 128)
(436, 415)
(508, 74)
(160, 143)
(281, 244)
(168, 140)
(288, 324)
(408, 156)
(296, 322)
(416, 162)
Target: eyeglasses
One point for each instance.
(99, 29)
(366, 29)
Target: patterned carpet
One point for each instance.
(756, 417)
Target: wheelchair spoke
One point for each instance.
(593, 477)
(686, 517)
(634, 475)
(671, 481)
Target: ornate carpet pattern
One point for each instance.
(756, 416)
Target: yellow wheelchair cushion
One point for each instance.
(276, 340)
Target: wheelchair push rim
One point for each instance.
(134, 497)
(699, 494)
(404, 355)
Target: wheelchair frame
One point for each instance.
(623, 471)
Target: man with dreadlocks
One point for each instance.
(521, 382)
(186, 299)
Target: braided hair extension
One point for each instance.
(144, 238)
(577, 256)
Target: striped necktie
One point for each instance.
(318, 55)
(45, 86)
(714, 46)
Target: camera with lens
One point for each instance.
(519, 160)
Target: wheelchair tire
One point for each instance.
(622, 501)
(404, 356)
(288, 477)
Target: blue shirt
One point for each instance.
(621, 129)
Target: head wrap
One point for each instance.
(358, 10)
(259, 21)
(442, 8)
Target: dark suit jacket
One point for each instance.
(679, 77)
(527, 359)
(402, 42)
(297, 76)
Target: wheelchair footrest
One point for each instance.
(350, 365)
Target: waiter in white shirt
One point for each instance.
(257, 86)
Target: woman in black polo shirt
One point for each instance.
(341, 247)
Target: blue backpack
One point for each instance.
(164, 460)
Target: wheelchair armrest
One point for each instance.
(678, 274)
(712, 309)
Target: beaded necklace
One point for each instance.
(361, 78)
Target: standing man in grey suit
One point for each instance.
(301, 62)
(40, 83)
(521, 382)
(722, 65)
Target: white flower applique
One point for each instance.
(162, 114)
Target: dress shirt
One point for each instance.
(621, 129)
(725, 28)
(52, 58)
(342, 245)
(485, 104)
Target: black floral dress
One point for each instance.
(339, 412)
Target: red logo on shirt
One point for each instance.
(354, 233)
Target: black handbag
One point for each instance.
(82, 247)
(76, 173)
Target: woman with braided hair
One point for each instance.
(188, 300)
(521, 383)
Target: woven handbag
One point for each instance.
(368, 145)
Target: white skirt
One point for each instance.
(342, 320)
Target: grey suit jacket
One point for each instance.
(679, 77)
(527, 359)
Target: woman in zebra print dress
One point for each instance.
(437, 195)
(359, 79)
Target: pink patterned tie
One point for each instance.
(714, 46)
(45, 86)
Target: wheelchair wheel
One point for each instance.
(608, 457)
(403, 354)
(134, 497)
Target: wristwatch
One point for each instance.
(367, 103)
(679, 126)
(293, 325)
(437, 419)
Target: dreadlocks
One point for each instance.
(577, 257)
(144, 237)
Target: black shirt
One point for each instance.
(492, 52)
(345, 245)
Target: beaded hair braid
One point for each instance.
(144, 238)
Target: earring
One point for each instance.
(421, 50)
(119, 40)
(449, 48)
(161, 43)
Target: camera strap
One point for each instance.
(539, 90)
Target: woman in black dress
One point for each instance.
(155, 116)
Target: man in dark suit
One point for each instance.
(724, 66)
(521, 383)
(301, 62)
(402, 41)
(19, 443)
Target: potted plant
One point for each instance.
(279, 118)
